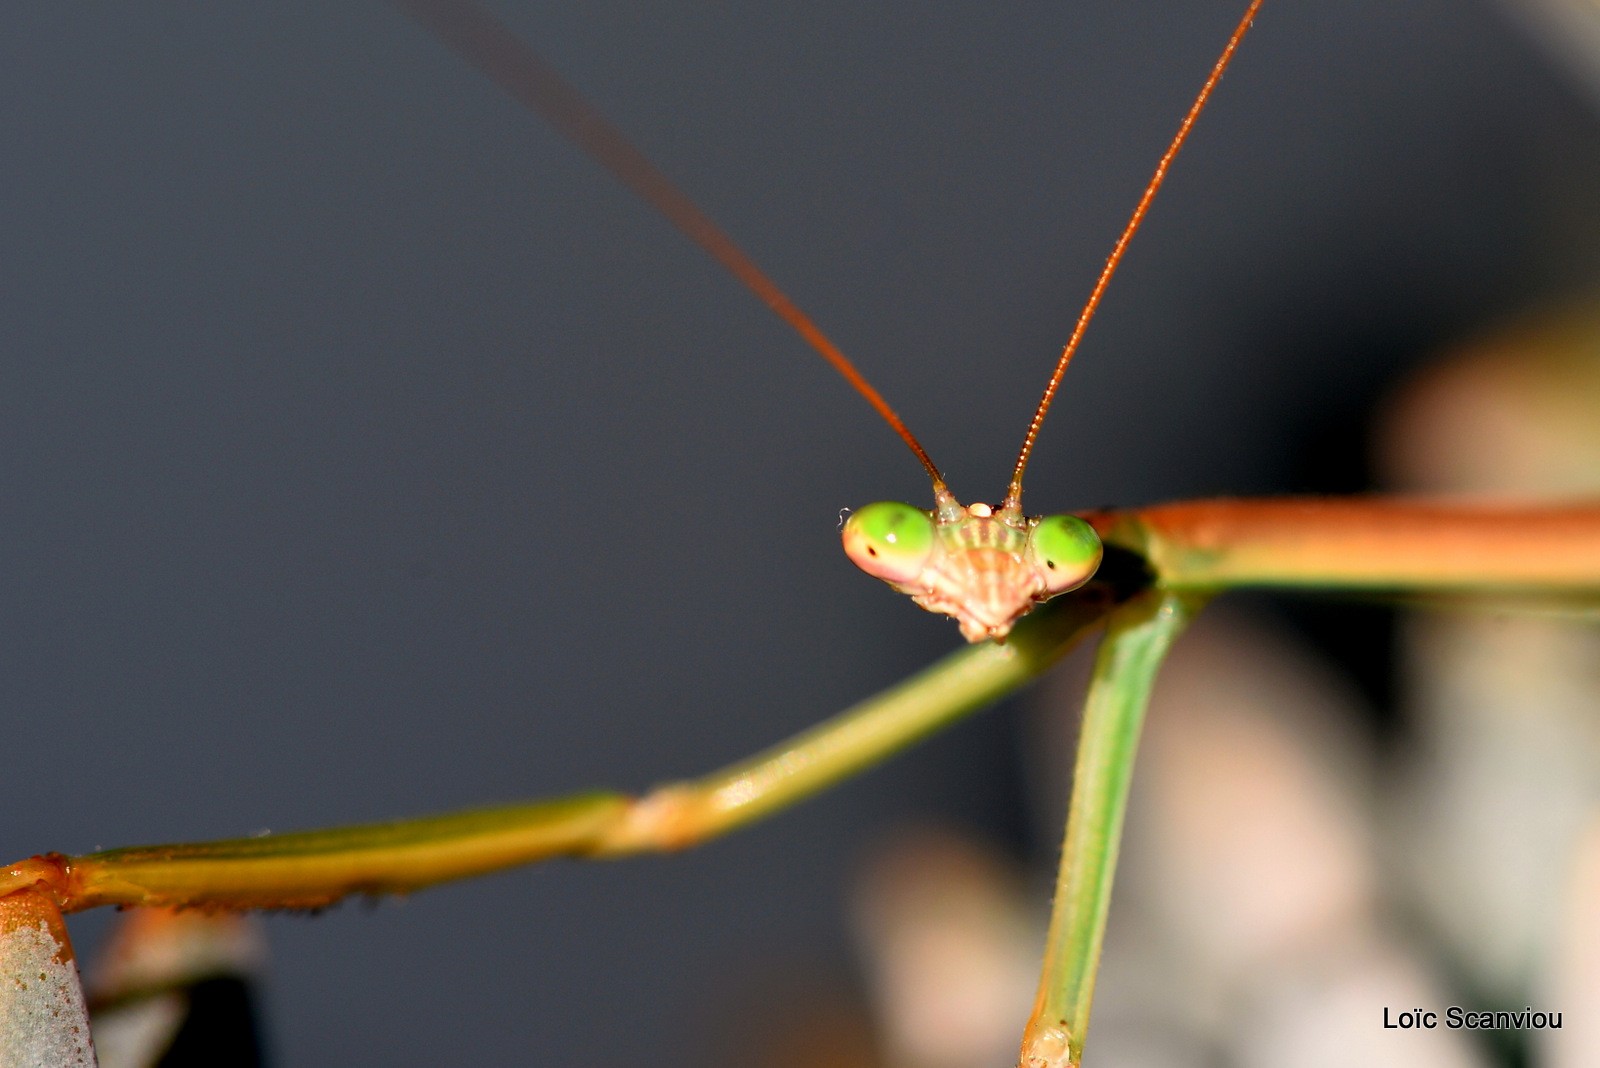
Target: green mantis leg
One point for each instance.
(1136, 641)
(314, 868)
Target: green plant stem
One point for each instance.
(1136, 641)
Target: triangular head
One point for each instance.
(985, 568)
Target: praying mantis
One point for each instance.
(217, 679)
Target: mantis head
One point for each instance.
(985, 568)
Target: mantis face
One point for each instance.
(984, 568)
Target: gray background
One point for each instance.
(364, 451)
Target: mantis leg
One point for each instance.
(1136, 641)
(312, 869)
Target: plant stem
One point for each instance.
(43, 1017)
(1136, 641)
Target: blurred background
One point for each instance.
(368, 452)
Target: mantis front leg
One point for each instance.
(1136, 641)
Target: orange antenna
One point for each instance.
(483, 41)
(1013, 501)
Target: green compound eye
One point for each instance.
(889, 540)
(1066, 550)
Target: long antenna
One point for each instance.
(488, 44)
(1013, 501)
